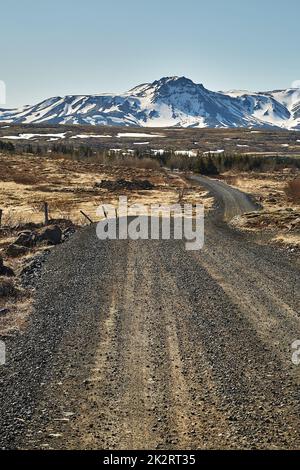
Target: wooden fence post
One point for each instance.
(87, 217)
(46, 212)
(181, 194)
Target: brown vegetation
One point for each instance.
(277, 193)
(292, 190)
(7, 287)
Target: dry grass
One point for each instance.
(146, 163)
(17, 302)
(16, 319)
(278, 193)
(68, 187)
(268, 188)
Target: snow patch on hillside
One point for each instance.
(31, 136)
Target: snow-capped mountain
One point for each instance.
(170, 101)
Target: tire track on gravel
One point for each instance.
(140, 344)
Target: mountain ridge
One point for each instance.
(167, 102)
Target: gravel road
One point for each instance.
(143, 345)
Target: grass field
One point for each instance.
(69, 186)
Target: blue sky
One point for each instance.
(51, 48)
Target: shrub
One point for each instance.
(292, 190)
(7, 146)
(7, 288)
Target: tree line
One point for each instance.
(206, 164)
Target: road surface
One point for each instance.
(143, 345)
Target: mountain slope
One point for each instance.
(170, 101)
(289, 98)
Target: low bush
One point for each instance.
(7, 288)
(292, 190)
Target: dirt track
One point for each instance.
(143, 345)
